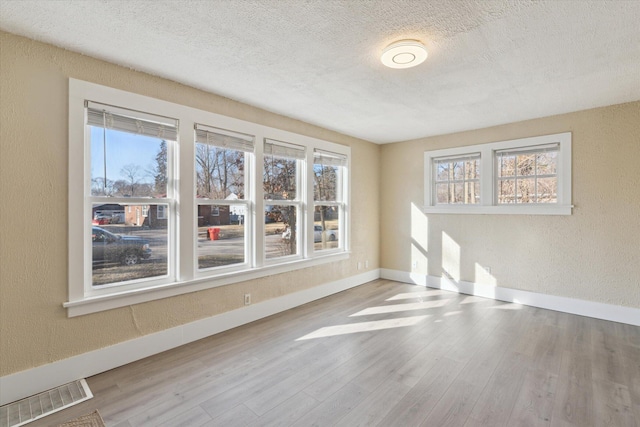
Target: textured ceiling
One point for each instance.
(490, 62)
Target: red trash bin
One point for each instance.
(214, 233)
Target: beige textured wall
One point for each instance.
(593, 254)
(34, 329)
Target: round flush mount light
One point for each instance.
(404, 54)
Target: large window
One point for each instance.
(165, 199)
(523, 176)
(221, 159)
(129, 170)
(282, 198)
(328, 196)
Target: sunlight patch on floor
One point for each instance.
(352, 328)
(430, 293)
(452, 313)
(395, 308)
(471, 299)
(514, 306)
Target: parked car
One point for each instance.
(329, 235)
(109, 247)
(101, 219)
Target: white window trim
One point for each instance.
(187, 277)
(342, 203)
(488, 178)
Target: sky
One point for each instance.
(122, 148)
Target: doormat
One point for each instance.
(90, 420)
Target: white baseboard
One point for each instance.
(593, 309)
(32, 381)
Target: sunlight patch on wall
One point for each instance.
(450, 257)
(352, 328)
(419, 227)
(419, 240)
(395, 308)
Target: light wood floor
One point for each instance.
(386, 354)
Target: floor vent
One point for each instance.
(35, 407)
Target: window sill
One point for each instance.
(500, 210)
(94, 304)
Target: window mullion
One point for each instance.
(185, 230)
(257, 233)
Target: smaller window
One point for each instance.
(457, 180)
(528, 175)
(521, 176)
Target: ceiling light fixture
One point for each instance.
(404, 54)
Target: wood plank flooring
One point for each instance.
(386, 354)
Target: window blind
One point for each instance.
(547, 148)
(283, 149)
(106, 116)
(327, 158)
(453, 159)
(224, 138)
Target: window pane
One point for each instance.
(507, 191)
(326, 182)
(526, 190)
(219, 172)
(547, 190)
(546, 163)
(442, 172)
(326, 226)
(458, 170)
(220, 235)
(442, 193)
(475, 169)
(128, 245)
(127, 165)
(458, 193)
(526, 164)
(281, 231)
(279, 178)
(471, 192)
(507, 166)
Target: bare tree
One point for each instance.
(133, 175)
(219, 172)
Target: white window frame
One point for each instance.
(340, 203)
(185, 276)
(450, 160)
(489, 178)
(299, 203)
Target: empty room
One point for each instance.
(319, 213)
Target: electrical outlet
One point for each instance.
(247, 299)
(359, 265)
(488, 269)
(366, 264)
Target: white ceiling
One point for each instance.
(490, 62)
